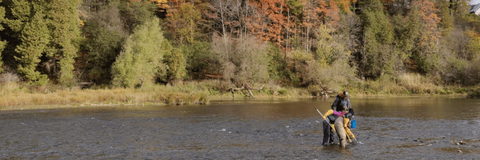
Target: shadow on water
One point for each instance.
(389, 128)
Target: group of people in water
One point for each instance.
(337, 119)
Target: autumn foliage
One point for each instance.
(291, 42)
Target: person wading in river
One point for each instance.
(341, 107)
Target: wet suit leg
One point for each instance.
(339, 127)
(327, 133)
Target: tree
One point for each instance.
(17, 13)
(142, 56)
(176, 62)
(134, 14)
(199, 59)
(183, 23)
(377, 57)
(2, 42)
(294, 8)
(103, 46)
(246, 63)
(251, 61)
(397, 7)
(344, 5)
(63, 23)
(350, 31)
(330, 67)
(427, 57)
(43, 36)
(328, 49)
(105, 30)
(316, 13)
(34, 40)
(272, 22)
(105, 34)
(446, 22)
(407, 31)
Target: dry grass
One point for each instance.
(404, 85)
(18, 95)
(417, 84)
(15, 95)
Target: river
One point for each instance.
(387, 128)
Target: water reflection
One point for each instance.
(457, 108)
(390, 128)
(406, 107)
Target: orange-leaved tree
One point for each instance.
(272, 22)
(427, 56)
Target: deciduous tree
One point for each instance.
(142, 57)
(176, 62)
(183, 23)
(246, 63)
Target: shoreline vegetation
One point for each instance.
(23, 96)
(70, 53)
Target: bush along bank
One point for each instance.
(474, 93)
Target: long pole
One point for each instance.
(319, 113)
(325, 119)
(347, 131)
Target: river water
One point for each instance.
(387, 128)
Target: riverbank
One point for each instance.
(15, 96)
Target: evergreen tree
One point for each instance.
(16, 14)
(407, 31)
(63, 23)
(42, 32)
(2, 43)
(446, 22)
(34, 39)
(377, 57)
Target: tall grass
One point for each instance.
(405, 84)
(16, 94)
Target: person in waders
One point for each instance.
(340, 114)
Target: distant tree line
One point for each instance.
(329, 43)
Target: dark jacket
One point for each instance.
(340, 104)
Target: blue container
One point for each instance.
(354, 124)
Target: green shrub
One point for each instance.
(283, 91)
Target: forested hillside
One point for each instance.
(301, 43)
